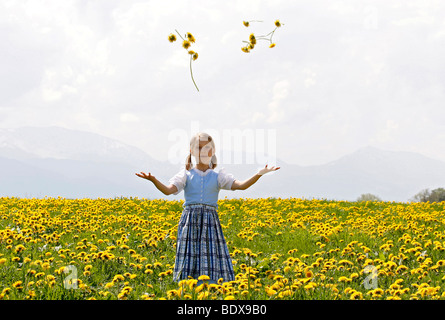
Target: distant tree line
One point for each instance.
(426, 195)
(368, 197)
(436, 195)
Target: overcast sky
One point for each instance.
(343, 74)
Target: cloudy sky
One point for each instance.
(343, 74)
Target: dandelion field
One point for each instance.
(281, 249)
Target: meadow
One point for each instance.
(56, 248)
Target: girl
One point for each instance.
(201, 248)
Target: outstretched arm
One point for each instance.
(167, 190)
(243, 185)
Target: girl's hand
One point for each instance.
(145, 176)
(266, 170)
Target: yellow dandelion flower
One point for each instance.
(354, 275)
(172, 293)
(186, 44)
(190, 37)
(172, 37)
(203, 295)
(278, 23)
(246, 23)
(270, 292)
(195, 56)
(118, 277)
(200, 287)
(19, 248)
(192, 283)
(203, 277)
(88, 267)
(310, 285)
(356, 296)
(272, 45)
(245, 49)
(348, 290)
(344, 279)
(6, 290)
(378, 291)
(122, 296)
(17, 284)
(45, 266)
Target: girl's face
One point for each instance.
(205, 152)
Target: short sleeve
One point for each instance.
(225, 180)
(179, 180)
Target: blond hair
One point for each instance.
(194, 146)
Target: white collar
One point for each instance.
(202, 173)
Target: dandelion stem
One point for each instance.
(273, 32)
(179, 35)
(191, 72)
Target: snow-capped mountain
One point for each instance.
(39, 162)
(60, 143)
(55, 161)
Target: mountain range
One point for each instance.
(54, 161)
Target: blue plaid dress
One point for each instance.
(200, 246)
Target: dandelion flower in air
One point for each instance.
(190, 37)
(186, 44)
(172, 37)
(252, 39)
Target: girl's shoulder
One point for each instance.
(222, 171)
(224, 175)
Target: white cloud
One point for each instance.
(280, 93)
(342, 75)
(129, 117)
(310, 77)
